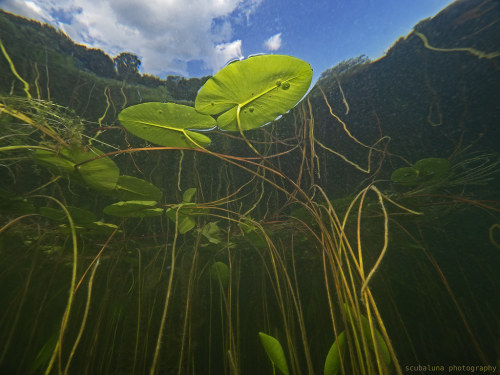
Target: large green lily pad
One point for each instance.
(167, 124)
(260, 88)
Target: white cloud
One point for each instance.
(166, 34)
(226, 52)
(273, 43)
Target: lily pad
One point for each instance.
(167, 124)
(425, 171)
(432, 169)
(100, 174)
(405, 175)
(130, 188)
(133, 209)
(256, 90)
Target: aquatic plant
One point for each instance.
(205, 251)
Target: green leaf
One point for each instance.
(185, 215)
(99, 174)
(211, 231)
(332, 361)
(133, 209)
(188, 195)
(130, 188)
(167, 124)
(79, 215)
(14, 204)
(405, 175)
(186, 223)
(365, 325)
(260, 87)
(220, 271)
(432, 169)
(275, 352)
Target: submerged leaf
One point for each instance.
(220, 271)
(405, 175)
(261, 88)
(379, 339)
(167, 124)
(100, 174)
(275, 352)
(133, 209)
(432, 169)
(332, 361)
(79, 215)
(188, 195)
(130, 188)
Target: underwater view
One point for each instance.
(266, 218)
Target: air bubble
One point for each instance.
(251, 109)
(285, 86)
(278, 83)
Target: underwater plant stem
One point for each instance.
(64, 322)
(96, 258)
(13, 325)
(386, 240)
(139, 297)
(475, 52)
(44, 129)
(180, 171)
(167, 297)
(13, 221)
(14, 71)
(84, 320)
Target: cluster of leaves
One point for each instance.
(427, 171)
(335, 356)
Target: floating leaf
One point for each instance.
(332, 361)
(133, 209)
(261, 88)
(275, 352)
(130, 188)
(220, 271)
(167, 124)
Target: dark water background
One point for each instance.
(438, 287)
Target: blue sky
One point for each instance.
(197, 37)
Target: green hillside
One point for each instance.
(84, 79)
